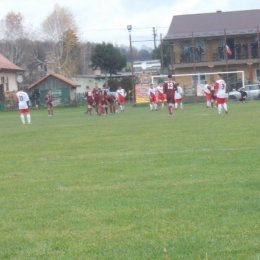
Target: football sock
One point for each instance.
(28, 118)
(219, 109)
(22, 118)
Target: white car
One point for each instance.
(252, 90)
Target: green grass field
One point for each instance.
(137, 185)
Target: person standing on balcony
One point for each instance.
(245, 47)
(238, 50)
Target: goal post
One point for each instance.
(193, 82)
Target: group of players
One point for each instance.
(216, 93)
(101, 99)
(158, 95)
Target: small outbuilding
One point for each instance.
(63, 90)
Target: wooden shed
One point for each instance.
(63, 90)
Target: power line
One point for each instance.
(120, 29)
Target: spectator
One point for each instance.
(245, 47)
(243, 95)
(238, 50)
(221, 52)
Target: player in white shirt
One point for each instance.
(152, 97)
(160, 95)
(220, 91)
(178, 97)
(120, 95)
(23, 101)
(206, 91)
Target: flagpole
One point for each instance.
(193, 54)
(226, 58)
(258, 42)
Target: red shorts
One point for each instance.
(220, 101)
(98, 101)
(178, 100)
(90, 102)
(161, 96)
(170, 100)
(121, 99)
(152, 99)
(49, 105)
(207, 96)
(26, 110)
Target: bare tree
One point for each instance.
(14, 38)
(61, 29)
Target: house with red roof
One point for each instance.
(63, 90)
(10, 74)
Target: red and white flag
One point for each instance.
(228, 50)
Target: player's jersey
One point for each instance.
(178, 93)
(97, 92)
(22, 98)
(121, 92)
(88, 95)
(48, 99)
(159, 89)
(104, 92)
(110, 98)
(220, 86)
(212, 90)
(207, 88)
(169, 88)
(152, 92)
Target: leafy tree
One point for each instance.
(126, 83)
(113, 84)
(144, 55)
(156, 54)
(107, 58)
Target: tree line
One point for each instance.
(56, 47)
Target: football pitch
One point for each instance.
(136, 185)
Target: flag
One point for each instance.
(228, 50)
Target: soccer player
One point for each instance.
(121, 94)
(152, 96)
(97, 94)
(212, 93)
(220, 91)
(23, 103)
(169, 87)
(48, 100)
(111, 100)
(160, 95)
(104, 101)
(206, 92)
(90, 100)
(178, 97)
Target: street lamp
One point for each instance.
(129, 28)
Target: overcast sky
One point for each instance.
(103, 20)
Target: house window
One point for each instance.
(257, 75)
(198, 79)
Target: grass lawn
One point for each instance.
(136, 185)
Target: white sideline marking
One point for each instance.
(147, 153)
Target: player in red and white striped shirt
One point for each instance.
(152, 97)
(220, 91)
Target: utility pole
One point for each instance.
(154, 37)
